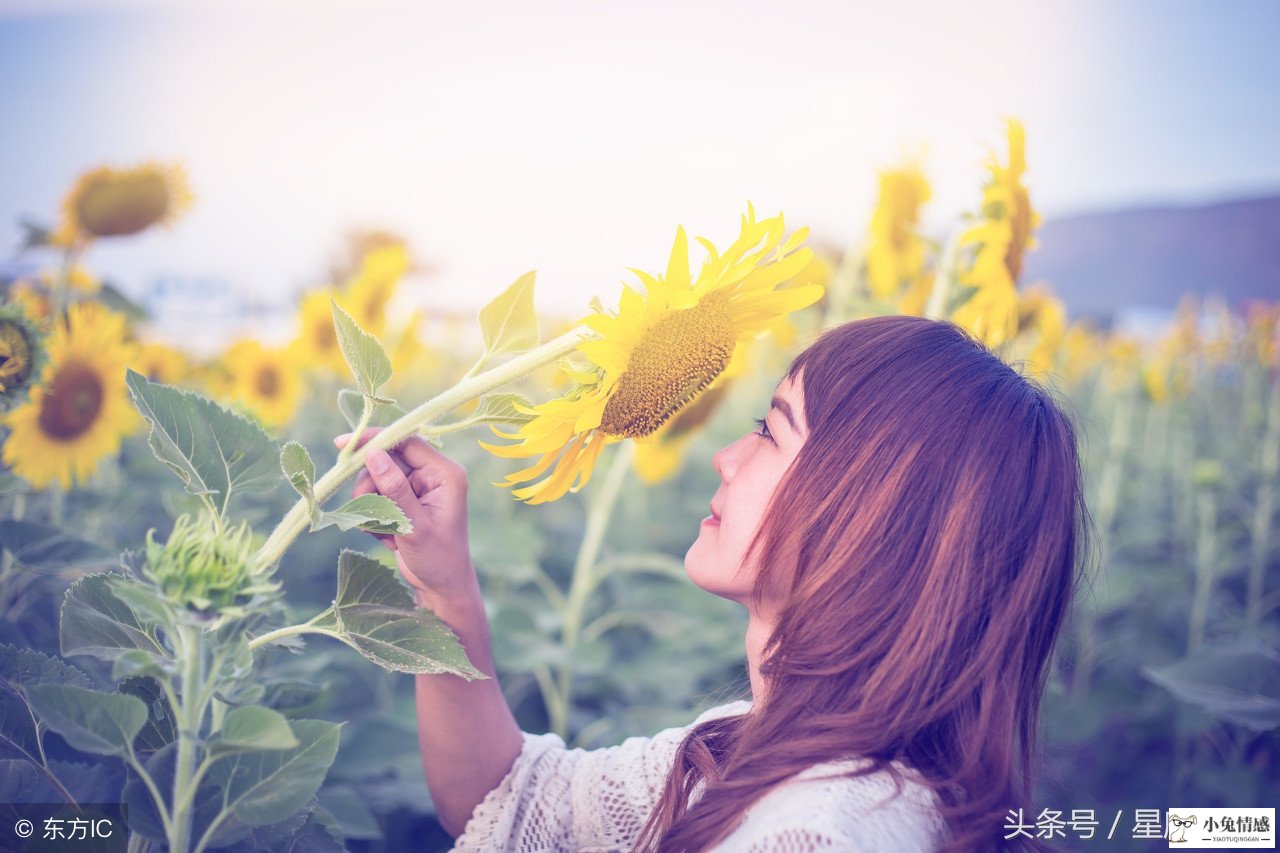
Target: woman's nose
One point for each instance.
(723, 462)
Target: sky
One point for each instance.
(573, 137)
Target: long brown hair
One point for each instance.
(933, 537)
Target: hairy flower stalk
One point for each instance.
(298, 517)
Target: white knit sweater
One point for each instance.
(559, 799)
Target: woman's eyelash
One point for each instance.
(763, 429)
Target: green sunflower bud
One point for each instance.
(206, 571)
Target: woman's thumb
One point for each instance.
(393, 484)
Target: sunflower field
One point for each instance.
(195, 623)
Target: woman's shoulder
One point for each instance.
(825, 808)
(728, 709)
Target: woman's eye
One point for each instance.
(762, 428)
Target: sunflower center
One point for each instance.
(1020, 220)
(72, 402)
(15, 355)
(673, 361)
(326, 337)
(124, 205)
(268, 381)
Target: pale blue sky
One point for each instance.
(572, 137)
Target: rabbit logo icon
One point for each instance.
(1178, 827)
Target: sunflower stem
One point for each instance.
(298, 517)
(366, 415)
(1264, 510)
(936, 307)
(599, 511)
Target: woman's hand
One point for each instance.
(431, 490)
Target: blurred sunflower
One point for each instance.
(1082, 349)
(659, 352)
(1121, 362)
(316, 345)
(1003, 237)
(1042, 321)
(161, 363)
(108, 202)
(78, 413)
(1262, 320)
(367, 296)
(915, 297)
(895, 252)
(265, 381)
(78, 279)
(33, 299)
(21, 354)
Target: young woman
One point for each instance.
(904, 530)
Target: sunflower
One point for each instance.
(316, 345)
(1042, 320)
(658, 353)
(1003, 237)
(367, 296)
(161, 363)
(915, 298)
(895, 252)
(78, 279)
(21, 354)
(265, 381)
(107, 202)
(33, 299)
(78, 413)
(1082, 347)
(658, 456)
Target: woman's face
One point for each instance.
(750, 469)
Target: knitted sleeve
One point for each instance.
(818, 811)
(555, 798)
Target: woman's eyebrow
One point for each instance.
(785, 407)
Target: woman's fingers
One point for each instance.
(425, 466)
(341, 441)
(391, 482)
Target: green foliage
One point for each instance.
(253, 727)
(102, 723)
(373, 513)
(95, 621)
(509, 323)
(363, 353)
(212, 450)
(1237, 681)
(46, 548)
(375, 615)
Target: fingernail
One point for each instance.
(341, 437)
(378, 461)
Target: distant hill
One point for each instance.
(1099, 263)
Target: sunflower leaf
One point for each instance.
(95, 621)
(375, 615)
(509, 323)
(102, 723)
(299, 470)
(374, 513)
(42, 547)
(500, 408)
(260, 786)
(212, 450)
(365, 356)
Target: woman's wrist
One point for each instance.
(462, 604)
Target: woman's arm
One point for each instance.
(467, 735)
